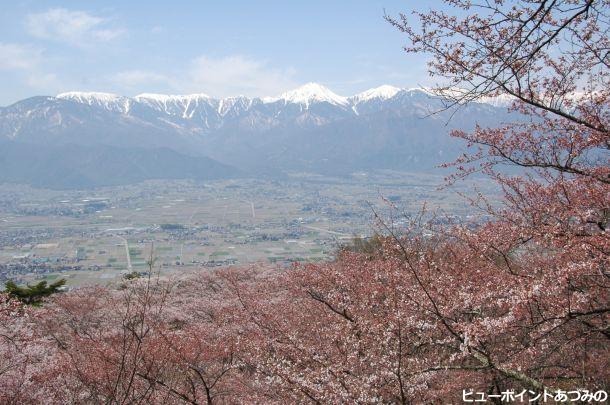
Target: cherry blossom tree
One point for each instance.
(26, 355)
(151, 342)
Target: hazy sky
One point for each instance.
(221, 48)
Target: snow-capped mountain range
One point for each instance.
(310, 128)
(304, 96)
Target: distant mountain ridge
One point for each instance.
(306, 95)
(309, 128)
(77, 166)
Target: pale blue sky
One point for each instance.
(221, 48)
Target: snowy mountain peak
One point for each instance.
(308, 93)
(109, 101)
(164, 98)
(237, 103)
(384, 92)
(175, 105)
(503, 100)
(90, 97)
(456, 93)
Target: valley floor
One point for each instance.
(96, 236)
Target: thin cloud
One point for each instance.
(27, 63)
(139, 78)
(237, 75)
(43, 81)
(18, 57)
(73, 27)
